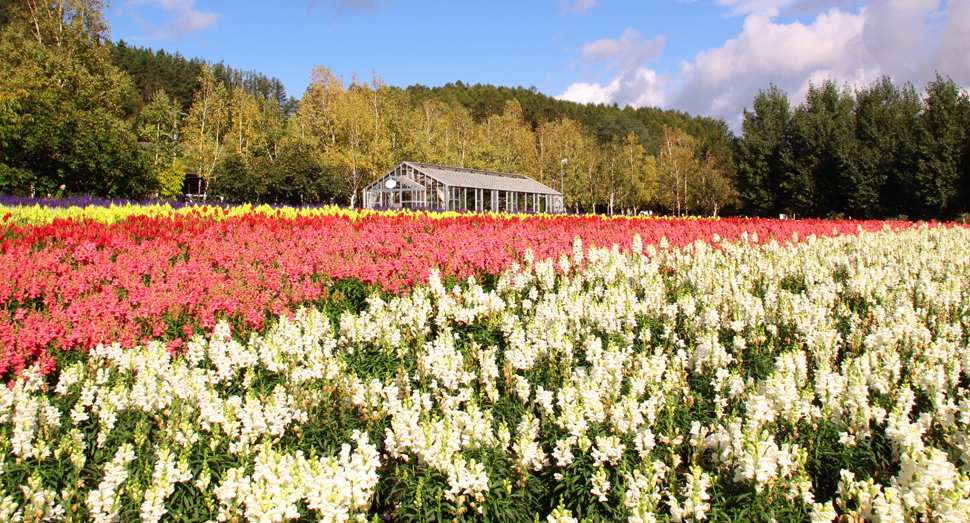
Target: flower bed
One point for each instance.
(131, 274)
(667, 379)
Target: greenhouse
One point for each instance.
(421, 185)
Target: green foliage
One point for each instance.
(822, 149)
(886, 117)
(16, 181)
(236, 181)
(941, 148)
(254, 83)
(62, 121)
(763, 152)
(880, 151)
(295, 177)
(171, 177)
(151, 72)
(604, 122)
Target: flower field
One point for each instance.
(240, 364)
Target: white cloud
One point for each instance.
(584, 93)
(907, 40)
(721, 81)
(626, 53)
(753, 6)
(576, 7)
(625, 57)
(639, 88)
(184, 19)
(739, 7)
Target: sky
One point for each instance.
(704, 57)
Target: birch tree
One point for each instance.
(676, 167)
(205, 127)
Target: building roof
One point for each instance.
(478, 179)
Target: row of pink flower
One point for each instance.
(73, 284)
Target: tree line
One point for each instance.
(341, 135)
(874, 152)
(82, 115)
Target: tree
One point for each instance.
(61, 116)
(880, 182)
(302, 179)
(713, 187)
(461, 134)
(941, 151)
(641, 171)
(271, 127)
(70, 25)
(355, 127)
(159, 129)
(243, 112)
(511, 140)
(391, 140)
(677, 169)
(206, 126)
(587, 164)
(823, 150)
(151, 71)
(763, 152)
(317, 110)
(626, 175)
(564, 139)
(239, 181)
(431, 130)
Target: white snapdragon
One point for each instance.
(644, 491)
(522, 388)
(168, 471)
(441, 360)
(600, 485)
(466, 478)
(103, 502)
(930, 485)
(561, 515)
(546, 399)
(562, 452)
(336, 487)
(608, 449)
(40, 504)
(764, 461)
(525, 446)
(695, 506)
(488, 373)
(823, 513)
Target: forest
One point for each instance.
(80, 114)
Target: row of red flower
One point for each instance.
(73, 284)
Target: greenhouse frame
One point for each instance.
(421, 185)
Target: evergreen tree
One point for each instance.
(763, 153)
(823, 147)
(881, 177)
(941, 147)
(151, 71)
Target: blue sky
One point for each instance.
(706, 57)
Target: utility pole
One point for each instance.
(562, 184)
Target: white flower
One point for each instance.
(601, 485)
